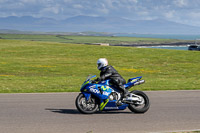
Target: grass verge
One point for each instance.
(27, 66)
(88, 39)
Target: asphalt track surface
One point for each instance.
(56, 113)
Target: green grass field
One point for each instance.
(30, 66)
(87, 39)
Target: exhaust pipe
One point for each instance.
(139, 82)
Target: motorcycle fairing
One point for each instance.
(87, 95)
(102, 90)
(107, 96)
(111, 105)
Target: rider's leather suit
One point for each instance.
(116, 79)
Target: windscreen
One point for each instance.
(90, 76)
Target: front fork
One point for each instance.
(102, 103)
(87, 97)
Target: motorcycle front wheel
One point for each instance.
(141, 106)
(86, 107)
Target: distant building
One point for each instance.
(102, 44)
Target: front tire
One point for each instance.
(140, 107)
(86, 107)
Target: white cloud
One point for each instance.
(78, 6)
(181, 3)
(28, 1)
(51, 9)
(169, 14)
(143, 13)
(194, 15)
(3, 1)
(103, 10)
(179, 10)
(66, 1)
(134, 1)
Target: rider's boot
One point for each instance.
(119, 103)
(124, 95)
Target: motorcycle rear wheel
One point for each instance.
(86, 107)
(140, 107)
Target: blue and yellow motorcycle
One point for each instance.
(103, 96)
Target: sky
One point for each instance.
(181, 11)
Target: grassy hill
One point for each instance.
(30, 66)
(113, 40)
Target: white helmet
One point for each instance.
(102, 62)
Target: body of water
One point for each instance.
(164, 36)
(170, 47)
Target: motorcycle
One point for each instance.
(103, 96)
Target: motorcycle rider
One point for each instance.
(108, 72)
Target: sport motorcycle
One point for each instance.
(103, 96)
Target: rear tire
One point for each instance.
(84, 107)
(140, 107)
